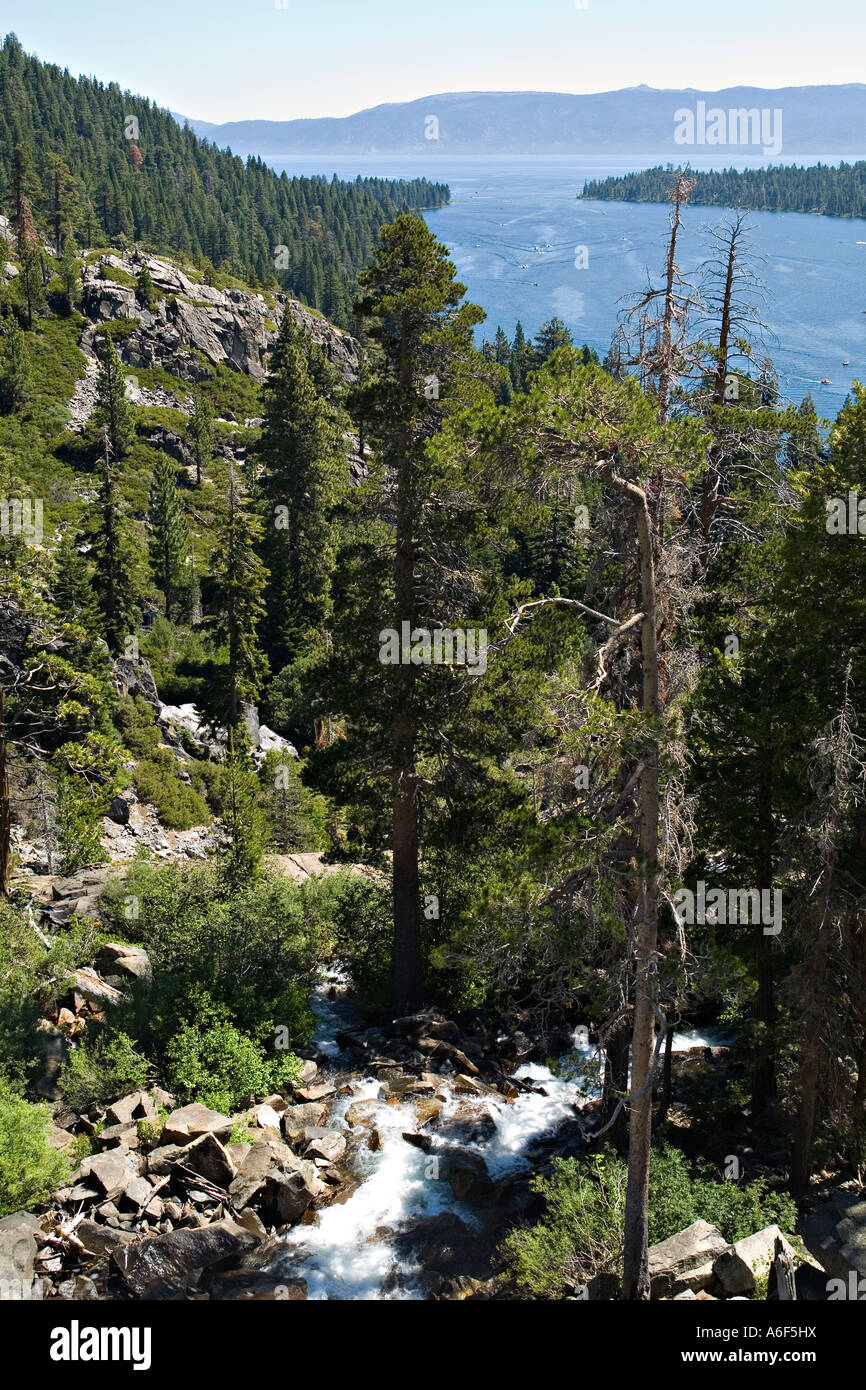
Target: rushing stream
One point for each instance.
(353, 1249)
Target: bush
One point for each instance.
(31, 976)
(210, 1060)
(256, 951)
(580, 1234)
(98, 1072)
(134, 720)
(177, 804)
(30, 1169)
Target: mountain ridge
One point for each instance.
(818, 119)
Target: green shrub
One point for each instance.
(580, 1234)
(177, 804)
(98, 1072)
(30, 1169)
(679, 1196)
(135, 722)
(210, 1060)
(31, 976)
(258, 951)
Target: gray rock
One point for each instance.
(20, 1238)
(207, 1157)
(102, 1240)
(329, 1144)
(297, 1118)
(191, 1121)
(277, 1183)
(835, 1233)
(153, 1260)
(134, 1107)
(749, 1259)
(119, 957)
(685, 1260)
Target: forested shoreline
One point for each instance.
(831, 190)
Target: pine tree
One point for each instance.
(31, 285)
(200, 434)
(242, 818)
(15, 368)
(552, 335)
(70, 278)
(145, 292)
(72, 584)
(112, 408)
(240, 580)
(113, 556)
(411, 300)
(302, 454)
(169, 538)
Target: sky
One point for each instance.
(223, 60)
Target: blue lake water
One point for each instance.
(513, 227)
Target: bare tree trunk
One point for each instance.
(764, 1086)
(406, 988)
(5, 805)
(667, 1069)
(636, 1284)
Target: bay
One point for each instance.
(517, 233)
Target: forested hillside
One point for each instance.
(432, 791)
(837, 191)
(112, 166)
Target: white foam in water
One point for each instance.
(348, 1257)
(349, 1252)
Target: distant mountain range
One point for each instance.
(637, 122)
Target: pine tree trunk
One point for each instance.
(5, 806)
(636, 1284)
(406, 989)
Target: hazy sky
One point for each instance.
(223, 60)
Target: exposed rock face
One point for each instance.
(836, 1234)
(231, 327)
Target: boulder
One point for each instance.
(329, 1144)
(191, 1121)
(132, 1108)
(109, 1172)
(207, 1157)
(835, 1233)
(747, 1260)
(360, 1111)
(101, 1241)
(116, 957)
(276, 1182)
(685, 1260)
(156, 1259)
(297, 1118)
(20, 1238)
(316, 1093)
(266, 1117)
(118, 810)
(466, 1173)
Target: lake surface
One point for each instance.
(513, 228)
